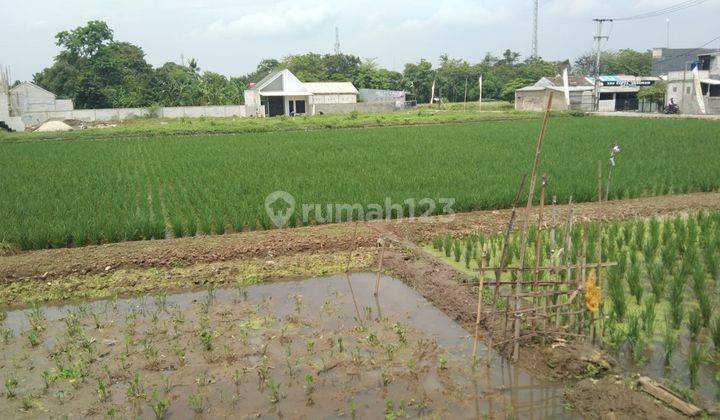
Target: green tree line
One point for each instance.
(98, 71)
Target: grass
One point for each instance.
(146, 127)
(80, 192)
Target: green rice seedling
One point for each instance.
(635, 338)
(694, 324)
(668, 254)
(49, 379)
(27, 402)
(639, 234)
(468, 254)
(11, 384)
(448, 246)
(6, 334)
(648, 316)
(158, 405)
(693, 363)
(715, 333)
(633, 280)
(676, 296)
(711, 264)
(135, 388)
(103, 391)
(36, 317)
(33, 337)
(698, 282)
(616, 291)
(705, 309)
(274, 388)
(670, 339)
(656, 277)
(615, 334)
(457, 250)
(197, 403)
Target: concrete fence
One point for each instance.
(119, 114)
(359, 107)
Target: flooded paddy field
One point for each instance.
(318, 348)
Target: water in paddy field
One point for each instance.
(292, 349)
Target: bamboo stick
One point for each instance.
(528, 206)
(380, 265)
(479, 306)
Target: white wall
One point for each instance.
(334, 98)
(118, 114)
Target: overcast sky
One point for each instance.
(232, 36)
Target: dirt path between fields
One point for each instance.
(53, 263)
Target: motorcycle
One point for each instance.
(672, 108)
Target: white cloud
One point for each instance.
(281, 19)
(458, 13)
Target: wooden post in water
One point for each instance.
(528, 207)
(538, 238)
(380, 265)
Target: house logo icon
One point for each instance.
(280, 206)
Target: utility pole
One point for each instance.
(337, 40)
(668, 33)
(596, 72)
(535, 29)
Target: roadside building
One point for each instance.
(535, 97)
(666, 60)
(697, 94)
(398, 97)
(616, 93)
(281, 93)
(28, 97)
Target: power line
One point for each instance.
(670, 9)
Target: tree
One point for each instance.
(419, 79)
(625, 61)
(85, 41)
(508, 91)
(654, 93)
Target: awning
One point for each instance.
(710, 81)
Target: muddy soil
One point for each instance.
(305, 349)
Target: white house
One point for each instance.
(281, 93)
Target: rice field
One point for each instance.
(76, 192)
(659, 303)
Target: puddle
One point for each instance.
(301, 349)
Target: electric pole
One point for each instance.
(596, 71)
(534, 46)
(337, 40)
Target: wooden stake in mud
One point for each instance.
(479, 303)
(347, 272)
(380, 265)
(531, 194)
(505, 250)
(538, 238)
(582, 276)
(567, 253)
(599, 256)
